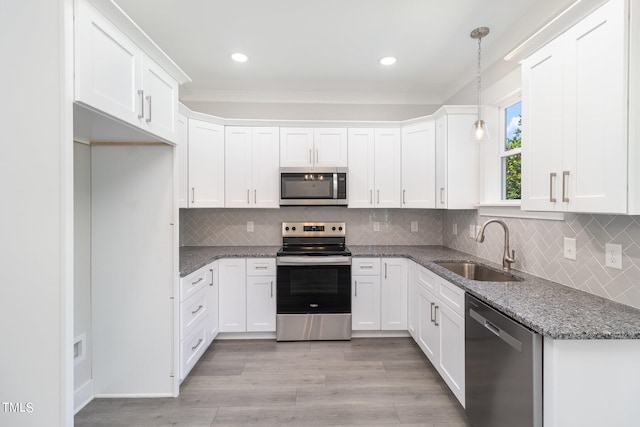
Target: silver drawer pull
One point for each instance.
(197, 344)
(366, 267)
(141, 93)
(197, 281)
(432, 304)
(261, 267)
(197, 309)
(272, 289)
(565, 175)
(552, 176)
(435, 317)
(149, 99)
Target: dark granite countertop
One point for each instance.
(553, 310)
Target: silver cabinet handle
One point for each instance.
(435, 317)
(310, 160)
(197, 281)
(366, 267)
(248, 196)
(197, 309)
(356, 289)
(442, 195)
(385, 270)
(552, 176)
(378, 195)
(211, 271)
(317, 155)
(565, 175)
(432, 304)
(370, 197)
(149, 99)
(197, 344)
(272, 289)
(261, 267)
(141, 93)
(255, 196)
(193, 195)
(404, 197)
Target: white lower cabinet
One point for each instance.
(393, 294)
(441, 328)
(212, 303)
(232, 277)
(261, 295)
(412, 299)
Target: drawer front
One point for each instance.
(192, 311)
(452, 296)
(261, 267)
(192, 348)
(365, 266)
(191, 284)
(428, 280)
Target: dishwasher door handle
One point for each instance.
(500, 333)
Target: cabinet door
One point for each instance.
(296, 147)
(261, 304)
(182, 161)
(161, 100)
(330, 146)
(451, 348)
(412, 299)
(393, 294)
(212, 303)
(462, 163)
(206, 164)
(428, 333)
(441, 162)
(361, 168)
(266, 158)
(365, 303)
(238, 167)
(387, 168)
(108, 69)
(542, 138)
(419, 166)
(595, 124)
(233, 295)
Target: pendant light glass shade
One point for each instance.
(480, 131)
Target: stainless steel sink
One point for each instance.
(473, 271)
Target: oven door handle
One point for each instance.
(313, 260)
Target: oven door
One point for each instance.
(307, 284)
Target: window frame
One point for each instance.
(503, 153)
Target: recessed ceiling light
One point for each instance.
(388, 60)
(239, 57)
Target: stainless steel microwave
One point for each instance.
(313, 187)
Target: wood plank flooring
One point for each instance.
(366, 382)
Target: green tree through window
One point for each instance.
(512, 169)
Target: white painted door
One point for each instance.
(361, 168)
(419, 166)
(393, 294)
(441, 162)
(182, 161)
(296, 147)
(206, 164)
(542, 129)
(238, 175)
(428, 333)
(595, 114)
(233, 295)
(212, 303)
(451, 349)
(160, 100)
(387, 168)
(266, 158)
(261, 304)
(330, 147)
(108, 67)
(365, 303)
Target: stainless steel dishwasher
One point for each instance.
(503, 369)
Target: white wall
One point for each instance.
(36, 218)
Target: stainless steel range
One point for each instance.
(313, 282)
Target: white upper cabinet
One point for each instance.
(114, 76)
(309, 147)
(374, 168)
(575, 105)
(419, 166)
(251, 167)
(182, 161)
(456, 159)
(206, 164)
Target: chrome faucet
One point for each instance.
(506, 259)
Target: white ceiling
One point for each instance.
(328, 50)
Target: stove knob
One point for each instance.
(286, 228)
(293, 228)
(333, 229)
(340, 228)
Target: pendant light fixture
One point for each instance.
(480, 131)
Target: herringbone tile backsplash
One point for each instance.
(539, 246)
(222, 227)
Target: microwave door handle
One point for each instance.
(335, 185)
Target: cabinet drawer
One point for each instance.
(195, 281)
(261, 267)
(452, 296)
(428, 280)
(192, 311)
(192, 348)
(365, 266)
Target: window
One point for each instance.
(510, 150)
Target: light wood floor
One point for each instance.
(382, 381)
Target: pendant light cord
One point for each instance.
(479, 74)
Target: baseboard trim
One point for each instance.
(380, 334)
(131, 395)
(83, 396)
(246, 336)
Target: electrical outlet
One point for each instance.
(414, 226)
(570, 248)
(455, 229)
(250, 226)
(613, 255)
(376, 226)
(472, 231)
